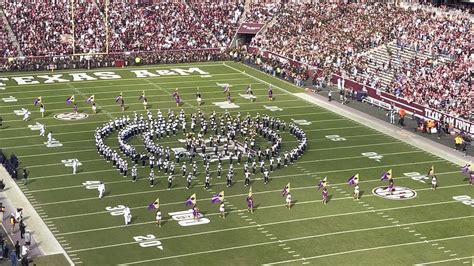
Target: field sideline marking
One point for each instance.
(374, 248)
(263, 207)
(296, 239)
(281, 222)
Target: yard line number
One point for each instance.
(148, 241)
(372, 155)
(335, 138)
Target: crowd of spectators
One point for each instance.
(262, 12)
(161, 26)
(7, 47)
(330, 36)
(222, 19)
(328, 33)
(41, 27)
(89, 28)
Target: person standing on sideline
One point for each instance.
(329, 95)
(22, 229)
(13, 258)
(18, 250)
(2, 211)
(28, 238)
(101, 189)
(25, 176)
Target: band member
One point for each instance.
(356, 192)
(325, 195)
(42, 110)
(434, 182)
(288, 201)
(158, 218)
(222, 210)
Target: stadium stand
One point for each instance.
(419, 54)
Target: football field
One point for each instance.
(416, 225)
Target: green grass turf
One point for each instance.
(373, 231)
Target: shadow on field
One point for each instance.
(330, 198)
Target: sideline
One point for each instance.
(44, 239)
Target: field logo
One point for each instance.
(148, 241)
(186, 218)
(273, 108)
(226, 105)
(399, 193)
(71, 116)
(10, 99)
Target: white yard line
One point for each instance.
(181, 107)
(95, 122)
(315, 173)
(268, 207)
(303, 162)
(309, 149)
(370, 249)
(288, 240)
(280, 242)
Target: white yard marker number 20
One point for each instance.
(148, 241)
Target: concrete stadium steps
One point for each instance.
(381, 55)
